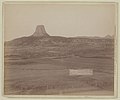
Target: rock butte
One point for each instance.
(40, 31)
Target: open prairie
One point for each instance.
(45, 70)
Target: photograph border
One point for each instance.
(57, 96)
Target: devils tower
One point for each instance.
(40, 31)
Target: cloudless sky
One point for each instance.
(68, 20)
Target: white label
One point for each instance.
(80, 72)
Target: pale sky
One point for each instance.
(69, 20)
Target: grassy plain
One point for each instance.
(40, 66)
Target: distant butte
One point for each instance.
(40, 31)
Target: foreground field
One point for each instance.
(50, 76)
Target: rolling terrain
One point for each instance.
(39, 65)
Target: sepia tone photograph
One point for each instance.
(59, 49)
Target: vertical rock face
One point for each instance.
(40, 31)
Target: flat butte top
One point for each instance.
(40, 31)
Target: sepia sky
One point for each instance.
(68, 20)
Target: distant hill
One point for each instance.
(109, 37)
(41, 37)
(41, 44)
